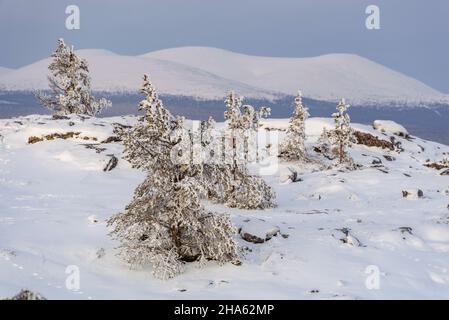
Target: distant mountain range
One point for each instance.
(4, 70)
(208, 73)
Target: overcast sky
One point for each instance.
(414, 34)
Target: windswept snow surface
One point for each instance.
(334, 226)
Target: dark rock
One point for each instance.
(349, 238)
(120, 129)
(112, 139)
(251, 238)
(258, 231)
(369, 140)
(397, 144)
(34, 139)
(445, 173)
(419, 193)
(436, 165)
(57, 135)
(59, 117)
(111, 164)
(405, 230)
(101, 253)
(94, 146)
(236, 262)
(389, 158)
(294, 175)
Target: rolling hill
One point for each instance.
(208, 73)
(123, 74)
(326, 77)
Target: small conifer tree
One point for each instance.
(165, 224)
(293, 147)
(342, 136)
(69, 83)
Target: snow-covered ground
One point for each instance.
(334, 226)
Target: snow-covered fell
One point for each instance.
(111, 72)
(334, 226)
(327, 77)
(209, 73)
(4, 70)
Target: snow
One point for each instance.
(55, 198)
(209, 73)
(111, 72)
(258, 228)
(390, 127)
(4, 70)
(327, 77)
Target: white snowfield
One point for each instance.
(337, 229)
(123, 74)
(208, 73)
(4, 70)
(327, 77)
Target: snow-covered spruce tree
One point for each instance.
(221, 179)
(216, 175)
(165, 224)
(324, 145)
(293, 147)
(342, 136)
(70, 85)
(243, 191)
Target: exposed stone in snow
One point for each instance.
(390, 127)
(413, 193)
(258, 231)
(370, 140)
(348, 238)
(112, 163)
(389, 158)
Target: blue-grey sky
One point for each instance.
(413, 37)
